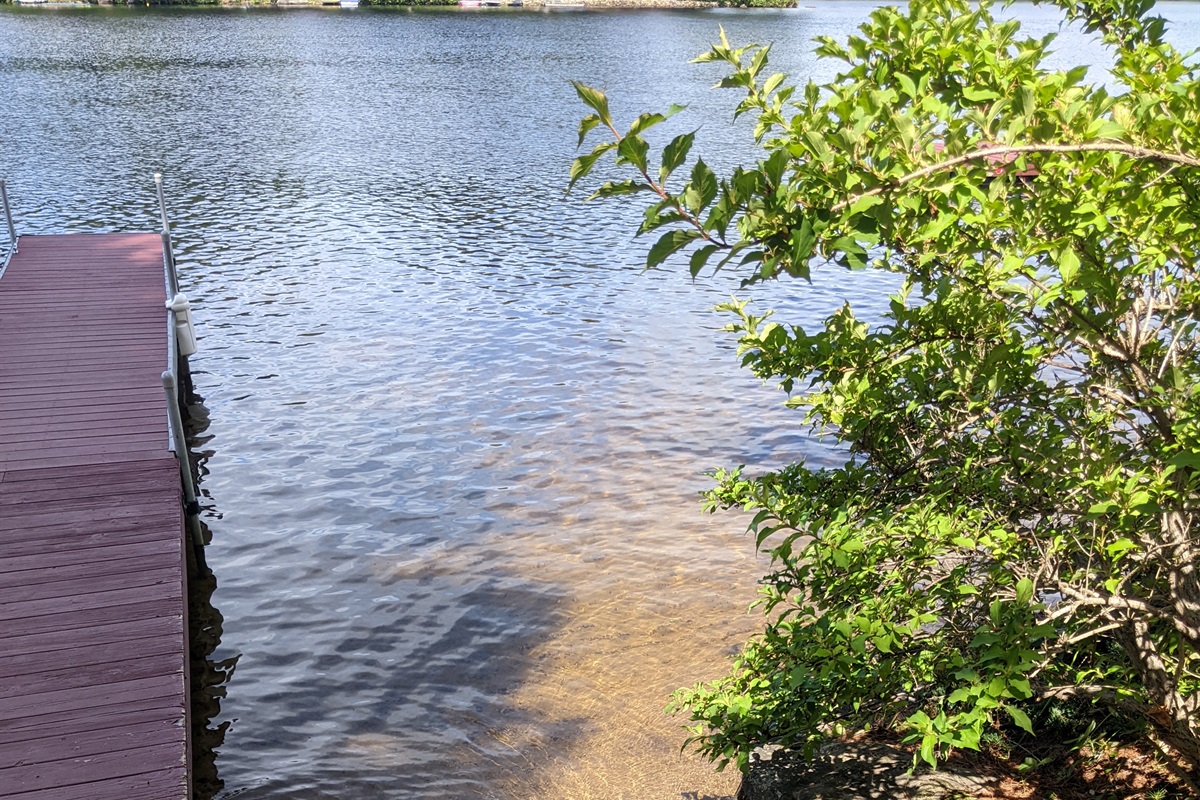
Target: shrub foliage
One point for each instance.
(1015, 520)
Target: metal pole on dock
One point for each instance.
(12, 231)
(168, 250)
(191, 505)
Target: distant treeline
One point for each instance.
(236, 2)
(722, 3)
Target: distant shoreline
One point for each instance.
(583, 5)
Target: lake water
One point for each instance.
(452, 438)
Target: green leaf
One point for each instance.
(772, 83)
(594, 99)
(760, 60)
(1119, 547)
(1024, 590)
(968, 738)
(585, 126)
(644, 122)
(674, 154)
(939, 224)
(803, 241)
(619, 188)
(977, 95)
(850, 253)
(864, 204)
(1020, 718)
(701, 188)
(699, 259)
(1068, 265)
(1141, 502)
(1108, 129)
(1185, 458)
(774, 167)
(929, 749)
(669, 243)
(582, 165)
(633, 150)
(960, 695)
(818, 146)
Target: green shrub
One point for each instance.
(1014, 523)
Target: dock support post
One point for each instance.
(191, 510)
(12, 231)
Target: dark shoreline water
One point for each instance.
(455, 434)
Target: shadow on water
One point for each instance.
(432, 667)
(208, 679)
(208, 676)
(430, 677)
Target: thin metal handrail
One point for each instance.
(176, 435)
(12, 230)
(177, 442)
(179, 446)
(173, 370)
(168, 247)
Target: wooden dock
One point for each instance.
(93, 626)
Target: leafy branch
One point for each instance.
(998, 153)
(631, 149)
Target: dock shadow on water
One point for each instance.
(208, 676)
(208, 680)
(457, 676)
(492, 686)
(433, 687)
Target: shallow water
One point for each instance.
(455, 436)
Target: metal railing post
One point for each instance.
(168, 249)
(179, 435)
(12, 230)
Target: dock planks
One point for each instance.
(93, 629)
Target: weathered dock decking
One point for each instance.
(93, 629)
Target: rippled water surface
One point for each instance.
(455, 438)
